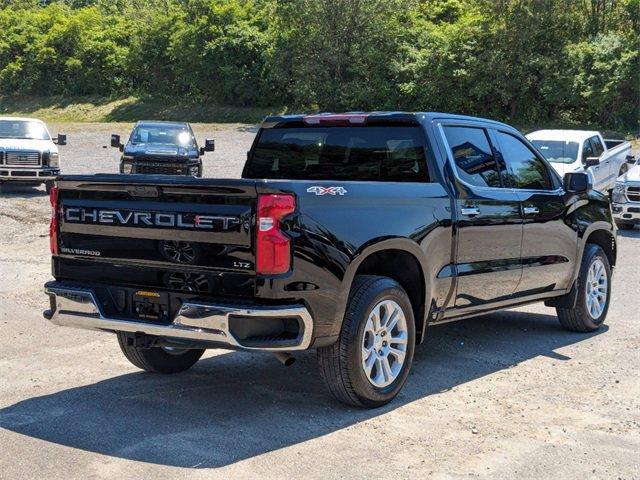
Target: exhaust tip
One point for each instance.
(285, 358)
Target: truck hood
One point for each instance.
(632, 175)
(27, 144)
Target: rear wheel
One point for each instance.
(593, 294)
(370, 362)
(159, 359)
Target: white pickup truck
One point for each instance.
(584, 151)
(625, 199)
(28, 154)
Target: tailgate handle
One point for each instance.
(143, 191)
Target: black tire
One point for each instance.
(48, 186)
(578, 319)
(625, 225)
(157, 359)
(341, 363)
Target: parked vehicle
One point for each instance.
(626, 198)
(28, 154)
(347, 233)
(162, 148)
(584, 151)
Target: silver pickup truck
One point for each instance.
(625, 199)
(28, 154)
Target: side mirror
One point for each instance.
(576, 182)
(592, 162)
(61, 139)
(115, 141)
(209, 145)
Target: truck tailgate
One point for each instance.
(175, 233)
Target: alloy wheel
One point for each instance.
(596, 289)
(384, 343)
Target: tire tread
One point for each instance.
(333, 359)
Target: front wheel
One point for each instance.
(370, 362)
(594, 293)
(159, 359)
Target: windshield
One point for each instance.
(557, 150)
(23, 129)
(392, 154)
(163, 135)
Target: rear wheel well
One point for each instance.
(606, 241)
(405, 269)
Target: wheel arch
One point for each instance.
(400, 259)
(605, 238)
(598, 233)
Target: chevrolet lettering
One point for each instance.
(150, 219)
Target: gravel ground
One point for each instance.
(504, 396)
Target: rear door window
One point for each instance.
(475, 162)
(384, 153)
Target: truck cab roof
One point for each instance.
(22, 119)
(160, 123)
(566, 135)
(362, 118)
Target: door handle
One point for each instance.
(531, 210)
(470, 211)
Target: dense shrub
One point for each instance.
(526, 61)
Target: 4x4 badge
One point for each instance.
(327, 190)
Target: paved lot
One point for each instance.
(505, 396)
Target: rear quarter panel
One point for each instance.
(333, 234)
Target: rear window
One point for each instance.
(391, 154)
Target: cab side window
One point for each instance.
(473, 156)
(526, 170)
(596, 144)
(587, 151)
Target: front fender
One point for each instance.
(593, 216)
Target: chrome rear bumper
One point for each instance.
(195, 321)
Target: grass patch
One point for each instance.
(130, 109)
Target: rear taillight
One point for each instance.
(273, 248)
(53, 226)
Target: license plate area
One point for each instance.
(150, 305)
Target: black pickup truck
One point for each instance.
(347, 233)
(162, 148)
